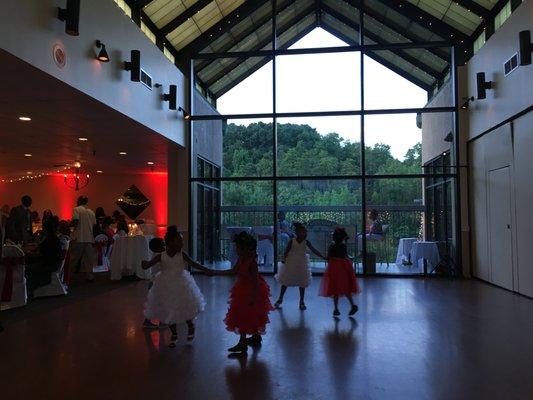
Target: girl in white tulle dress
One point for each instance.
(174, 297)
(295, 269)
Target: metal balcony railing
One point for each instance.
(402, 221)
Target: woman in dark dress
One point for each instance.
(49, 258)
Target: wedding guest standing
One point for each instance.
(82, 250)
(47, 214)
(374, 230)
(19, 223)
(4, 215)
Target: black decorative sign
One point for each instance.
(133, 202)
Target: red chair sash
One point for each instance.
(100, 250)
(7, 287)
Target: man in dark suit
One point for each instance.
(19, 227)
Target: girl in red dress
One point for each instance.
(249, 302)
(339, 278)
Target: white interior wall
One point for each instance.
(495, 146)
(106, 82)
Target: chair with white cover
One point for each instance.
(265, 245)
(118, 257)
(56, 287)
(100, 245)
(12, 280)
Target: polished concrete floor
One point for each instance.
(412, 339)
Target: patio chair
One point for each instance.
(383, 244)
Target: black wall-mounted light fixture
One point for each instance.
(71, 17)
(449, 137)
(526, 47)
(186, 115)
(483, 86)
(134, 66)
(466, 104)
(102, 55)
(171, 97)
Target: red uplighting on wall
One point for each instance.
(50, 192)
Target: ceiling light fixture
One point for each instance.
(122, 153)
(150, 163)
(25, 118)
(75, 180)
(83, 139)
(102, 55)
(99, 171)
(27, 155)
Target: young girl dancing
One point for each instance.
(174, 297)
(156, 245)
(249, 302)
(339, 278)
(296, 269)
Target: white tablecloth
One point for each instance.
(404, 250)
(128, 253)
(425, 251)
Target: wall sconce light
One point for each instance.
(466, 104)
(71, 17)
(171, 97)
(186, 115)
(483, 86)
(449, 137)
(526, 47)
(102, 55)
(134, 66)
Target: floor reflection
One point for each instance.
(295, 340)
(249, 378)
(154, 341)
(341, 349)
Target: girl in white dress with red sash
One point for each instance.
(296, 268)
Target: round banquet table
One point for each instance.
(127, 256)
(403, 256)
(427, 251)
